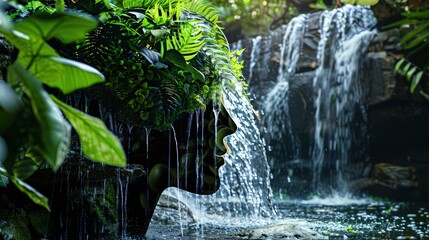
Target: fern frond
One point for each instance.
(166, 96)
(205, 9)
(147, 4)
(217, 48)
(187, 40)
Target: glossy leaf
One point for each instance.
(47, 66)
(176, 58)
(416, 81)
(64, 26)
(33, 194)
(54, 131)
(75, 75)
(98, 143)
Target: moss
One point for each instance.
(104, 208)
(14, 224)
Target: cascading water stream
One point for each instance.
(276, 104)
(338, 94)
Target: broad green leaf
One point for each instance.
(398, 65)
(63, 26)
(33, 194)
(35, 54)
(54, 131)
(10, 106)
(24, 168)
(176, 58)
(75, 75)
(416, 81)
(196, 73)
(46, 65)
(98, 143)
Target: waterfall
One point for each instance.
(339, 92)
(276, 104)
(245, 190)
(320, 60)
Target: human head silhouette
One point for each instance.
(187, 156)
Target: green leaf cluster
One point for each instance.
(33, 130)
(160, 59)
(415, 42)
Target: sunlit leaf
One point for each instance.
(75, 75)
(46, 65)
(54, 131)
(33, 194)
(64, 26)
(98, 143)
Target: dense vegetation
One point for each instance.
(149, 61)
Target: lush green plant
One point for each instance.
(160, 58)
(33, 131)
(415, 42)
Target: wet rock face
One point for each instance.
(386, 96)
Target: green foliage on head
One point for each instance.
(160, 58)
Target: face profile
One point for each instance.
(187, 156)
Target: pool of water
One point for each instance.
(332, 218)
